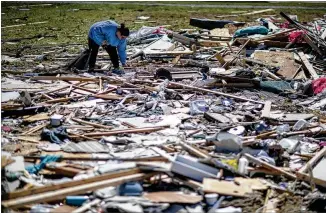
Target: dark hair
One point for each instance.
(123, 30)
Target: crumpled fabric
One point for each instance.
(318, 85)
(34, 169)
(275, 86)
(251, 31)
(57, 135)
(296, 35)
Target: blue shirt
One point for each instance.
(106, 30)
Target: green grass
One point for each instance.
(64, 22)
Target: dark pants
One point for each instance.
(112, 51)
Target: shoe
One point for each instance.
(118, 71)
(90, 69)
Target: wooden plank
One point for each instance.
(124, 131)
(193, 150)
(73, 190)
(308, 66)
(37, 117)
(63, 170)
(59, 100)
(214, 92)
(313, 160)
(312, 45)
(220, 58)
(256, 12)
(91, 123)
(269, 166)
(42, 189)
(35, 129)
(266, 110)
(172, 197)
(63, 78)
(84, 89)
(307, 178)
(226, 188)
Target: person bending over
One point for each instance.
(112, 37)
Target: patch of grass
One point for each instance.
(64, 22)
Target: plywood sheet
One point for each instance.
(282, 59)
(226, 188)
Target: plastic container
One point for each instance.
(243, 165)
(211, 199)
(300, 125)
(76, 200)
(226, 142)
(56, 120)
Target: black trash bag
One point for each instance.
(80, 62)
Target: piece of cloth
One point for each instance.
(111, 50)
(275, 86)
(319, 85)
(251, 31)
(34, 169)
(296, 36)
(57, 135)
(106, 31)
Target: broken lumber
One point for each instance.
(124, 131)
(63, 78)
(308, 66)
(269, 166)
(266, 110)
(214, 92)
(91, 123)
(73, 190)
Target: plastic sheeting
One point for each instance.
(145, 33)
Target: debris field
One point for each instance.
(227, 117)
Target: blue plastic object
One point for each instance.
(76, 200)
(130, 189)
(47, 159)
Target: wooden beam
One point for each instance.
(59, 100)
(73, 190)
(308, 66)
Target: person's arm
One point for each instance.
(122, 51)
